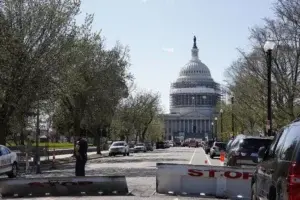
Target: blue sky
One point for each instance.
(160, 34)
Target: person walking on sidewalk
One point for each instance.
(81, 156)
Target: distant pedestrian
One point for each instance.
(81, 155)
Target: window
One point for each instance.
(280, 143)
(221, 145)
(272, 146)
(290, 143)
(255, 143)
(7, 150)
(119, 144)
(4, 151)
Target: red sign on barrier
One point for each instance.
(215, 173)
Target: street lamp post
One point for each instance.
(268, 47)
(221, 118)
(216, 128)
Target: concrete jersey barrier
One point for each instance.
(63, 186)
(204, 180)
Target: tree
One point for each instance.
(247, 77)
(33, 36)
(135, 115)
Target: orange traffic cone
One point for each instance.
(222, 157)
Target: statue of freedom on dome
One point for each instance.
(195, 43)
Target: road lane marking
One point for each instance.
(192, 157)
(207, 158)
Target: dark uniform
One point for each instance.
(81, 156)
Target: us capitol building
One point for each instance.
(193, 99)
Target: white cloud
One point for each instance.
(169, 50)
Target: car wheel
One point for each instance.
(14, 171)
(128, 153)
(109, 154)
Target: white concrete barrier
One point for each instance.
(204, 180)
(64, 186)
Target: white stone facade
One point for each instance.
(193, 99)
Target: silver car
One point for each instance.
(216, 149)
(118, 148)
(140, 147)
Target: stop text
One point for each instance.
(215, 173)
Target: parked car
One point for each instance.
(244, 150)
(216, 149)
(208, 145)
(8, 162)
(117, 148)
(140, 147)
(277, 176)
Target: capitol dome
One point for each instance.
(194, 70)
(193, 99)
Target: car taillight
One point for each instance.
(293, 181)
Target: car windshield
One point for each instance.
(255, 143)
(221, 145)
(118, 144)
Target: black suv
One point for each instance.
(277, 176)
(244, 149)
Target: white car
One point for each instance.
(117, 148)
(8, 162)
(140, 147)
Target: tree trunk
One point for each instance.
(22, 138)
(3, 132)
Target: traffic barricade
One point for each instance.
(204, 180)
(64, 186)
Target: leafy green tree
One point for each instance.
(247, 76)
(33, 36)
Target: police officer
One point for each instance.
(81, 156)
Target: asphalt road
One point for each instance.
(139, 169)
